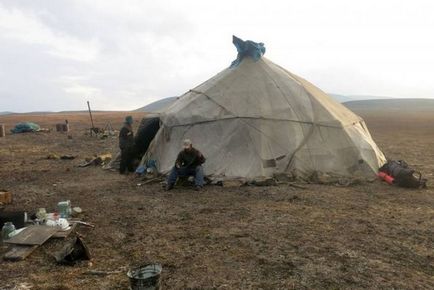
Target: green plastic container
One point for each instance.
(64, 208)
(8, 228)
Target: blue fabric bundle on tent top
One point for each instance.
(247, 48)
(25, 127)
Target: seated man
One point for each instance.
(188, 163)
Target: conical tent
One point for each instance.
(257, 119)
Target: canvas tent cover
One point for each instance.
(257, 119)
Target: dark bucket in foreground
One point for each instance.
(147, 277)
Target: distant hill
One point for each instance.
(164, 103)
(157, 105)
(344, 98)
(5, 113)
(341, 98)
(398, 105)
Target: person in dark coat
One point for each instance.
(188, 163)
(126, 144)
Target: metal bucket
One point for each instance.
(145, 277)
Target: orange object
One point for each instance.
(385, 177)
(389, 179)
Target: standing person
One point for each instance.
(126, 144)
(188, 163)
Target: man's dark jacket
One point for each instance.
(190, 159)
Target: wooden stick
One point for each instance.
(102, 273)
(91, 119)
(82, 223)
(152, 180)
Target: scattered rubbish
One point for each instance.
(76, 210)
(107, 131)
(25, 235)
(114, 164)
(7, 228)
(62, 223)
(41, 215)
(64, 209)
(145, 277)
(5, 197)
(98, 160)
(73, 251)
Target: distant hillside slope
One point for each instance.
(157, 105)
(349, 98)
(401, 105)
(341, 98)
(5, 113)
(164, 103)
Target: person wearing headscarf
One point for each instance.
(126, 144)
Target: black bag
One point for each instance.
(403, 175)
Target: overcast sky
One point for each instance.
(120, 55)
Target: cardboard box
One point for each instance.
(5, 197)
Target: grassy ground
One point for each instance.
(321, 237)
